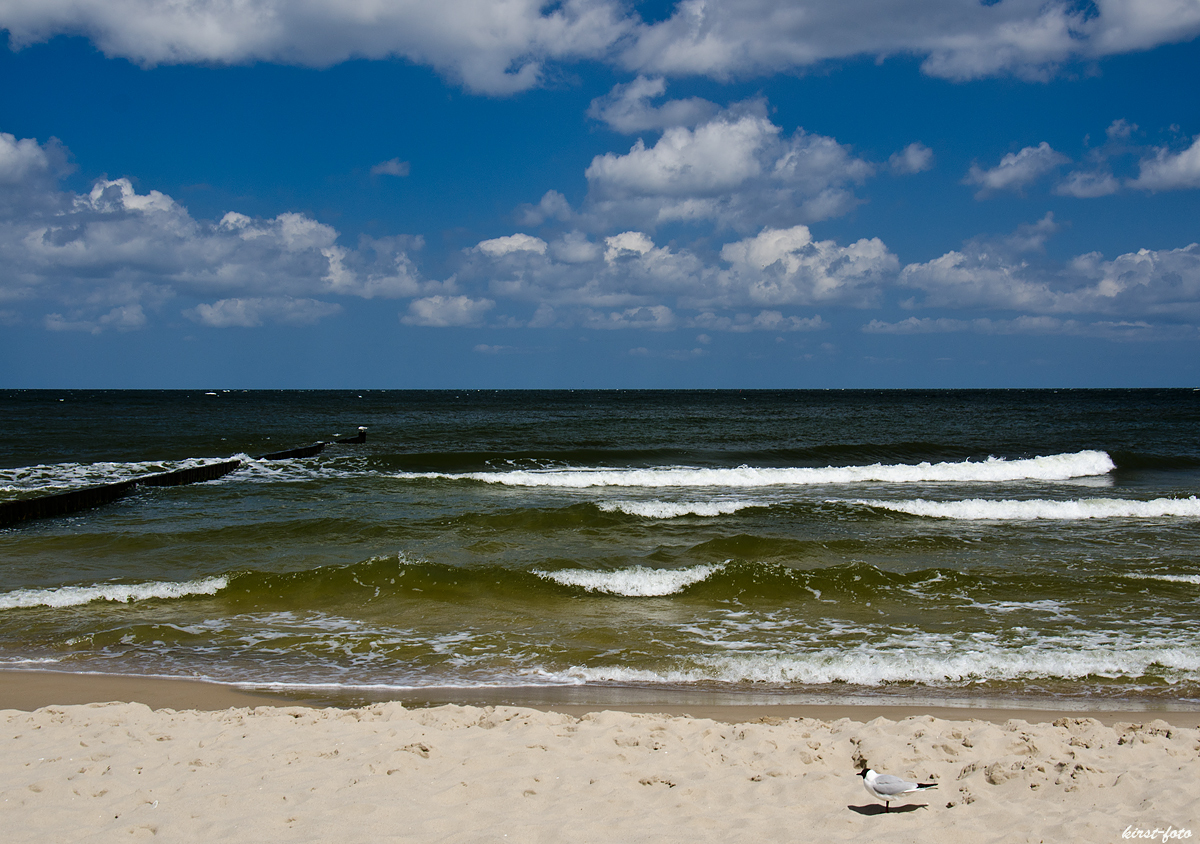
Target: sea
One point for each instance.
(960, 547)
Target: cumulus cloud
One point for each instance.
(653, 317)
(21, 159)
(111, 257)
(737, 170)
(494, 48)
(766, 320)
(499, 48)
(500, 246)
(1170, 171)
(994, 274)
(626, 108)
(1015, 170)
(914, 158)
(627, 280)
(391, 167)
(552, 206)
(124, 318)
(1083, 184)
(251, 312)
(958, 40)
(786, 266)
(446, 311)
(1118, 330)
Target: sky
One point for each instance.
(494, 194)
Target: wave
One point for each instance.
(635, 582)
(954, 666)
(1169, 578)
(673, 510)
(1055, 467)
(999, 510)
(73, 596)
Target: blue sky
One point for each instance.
(731, 193)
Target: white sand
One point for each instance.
(121, 772)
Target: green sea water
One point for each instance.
(957, 545)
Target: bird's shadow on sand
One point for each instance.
(876, 809)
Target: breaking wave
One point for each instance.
(73, 596)
(674, 510)
(635, 582)
(1088, 508)
(995, 469)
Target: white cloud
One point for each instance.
(500, 246)
(788, 267)
(914, 158)
(991, 274)
(553, 206)
(575, 248)
(652, 317)
(762, 321)
(1170, 171)
(958, 40)
(124, 318)
(1088, 185)
(1123, 330)
(626, 108)
(115, 248)
(391, 167)
(499, 48)
(627, 243)
(623, 284)
(446, 311)
(1015, 170)
(491, 47)
(668, 354)
(737, 171)
(251, 312)
(21, 159)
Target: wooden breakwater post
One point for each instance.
(62, 503)
(303, 451)
(360, 437)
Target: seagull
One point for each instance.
(887, 788)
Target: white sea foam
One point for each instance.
(1088, 508)
(72, 596)
(1170, 578)
(636, 582)
(60, 476)
(673, 510)
(1050, 468)
(874, 667)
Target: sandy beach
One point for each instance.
(244, 769)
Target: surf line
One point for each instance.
(71, 501)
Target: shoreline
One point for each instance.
(31, 689)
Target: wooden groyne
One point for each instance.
(196, 474)
(62, 503)
(303, 451)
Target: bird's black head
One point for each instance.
(863, 773)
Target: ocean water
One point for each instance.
(791, 545)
